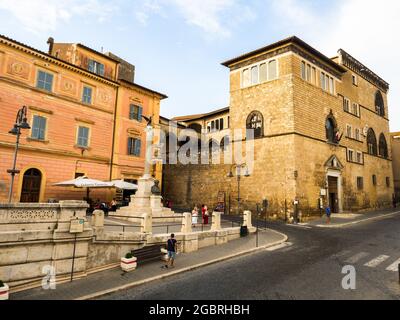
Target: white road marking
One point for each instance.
(280, 246)
(342, 253)
(356, 257)
(394, 267)
(299, 226)
(377, 261)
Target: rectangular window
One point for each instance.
(134, 147)
(221, 124)
(263, 72)
(322, 80)
(308, 72)
(44, 81)
(360, 183)
(254, 75)
(349, 132)
(327, 83)
(303, 70)
(217, 124)
(79, 174)
(355, 80)
(212, 125)
(357, 135)
(87, 95)
(229, 121)
(374, 182)
(314, 75)
(359, 157)
(246, 77)
(387, 182)
(346, 104)
(38, 128)
(96, 67)
(355, 108)
(332, 86)
(135, 112)
(83, 137)
(350, 156)
(272, 70)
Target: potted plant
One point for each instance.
(4, 289)
(129, 262)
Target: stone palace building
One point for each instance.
(321, 130)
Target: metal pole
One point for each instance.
(257, 235)
(398, 267)
(14, 165)
(73, 258)
(238, 181)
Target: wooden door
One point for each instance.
(31, 186)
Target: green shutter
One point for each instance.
(140, 111)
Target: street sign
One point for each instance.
(77, 225)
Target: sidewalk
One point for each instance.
(348, 219)
(109, 281)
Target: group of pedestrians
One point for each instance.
(204, 215)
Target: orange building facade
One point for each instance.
(82, 119)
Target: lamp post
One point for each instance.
(239, 168)
(20, 123)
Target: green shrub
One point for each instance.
(129, 255)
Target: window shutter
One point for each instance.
(129, 145)
(138, 146)
(140, 111)
(35, 127)
(42, 128)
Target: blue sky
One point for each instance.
(178, 45)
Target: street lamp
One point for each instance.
(239, 168)
(20, 123)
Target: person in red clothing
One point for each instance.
(205, 214)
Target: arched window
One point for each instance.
(379, 104)
(371, 142)
(331, 129)
(224, 143)
(196, 127)
(255, 121)
(383, 149)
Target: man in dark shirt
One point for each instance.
(171, 248)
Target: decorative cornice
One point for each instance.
(40, 110)
(356, 66)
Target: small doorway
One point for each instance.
(31, 186)
(333, 194)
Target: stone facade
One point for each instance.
(395, 142)
(296, 156)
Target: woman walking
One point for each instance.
(205, 214)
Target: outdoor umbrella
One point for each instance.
(85, 182)
(121, 184)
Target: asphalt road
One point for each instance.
(309, 269)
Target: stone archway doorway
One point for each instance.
(31, 183)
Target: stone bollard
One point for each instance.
(216, 221)
(186, 223)
(247, 219)
(98, 219)
(146, 224)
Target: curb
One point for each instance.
(197, 266)
(356, 222)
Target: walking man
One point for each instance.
(328, 214)
(171, 248)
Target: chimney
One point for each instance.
(50, 42)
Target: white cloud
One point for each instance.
(364, 28)
(214, 17)
(39, 16)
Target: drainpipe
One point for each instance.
(113, 135)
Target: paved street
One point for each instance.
(309, 269)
